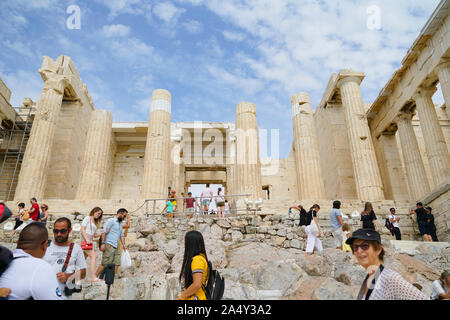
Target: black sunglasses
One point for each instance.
(364, 246)
(62, 231)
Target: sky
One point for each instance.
(210, 54)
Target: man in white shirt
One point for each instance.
(28, 276)
(57, 253)
(206, 198)
(395, 220)
(440, 288)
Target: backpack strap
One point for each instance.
(69, 253)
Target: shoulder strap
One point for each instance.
(375, 278)
(69, 253)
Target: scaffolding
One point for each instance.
(12, 150)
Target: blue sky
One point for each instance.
(209, 54)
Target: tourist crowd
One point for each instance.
(59, 266)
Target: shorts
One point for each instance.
(338, 236)
(206, 202)
(190, 211)
(221, 204)
(111, 255)
(423, 228)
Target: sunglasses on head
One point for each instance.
(364, 246)
(62, 231)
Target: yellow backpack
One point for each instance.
(26, 216)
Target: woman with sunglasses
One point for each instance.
(89, 228)
(380, 283)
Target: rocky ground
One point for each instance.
(255, 266)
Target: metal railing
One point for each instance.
(233, 210)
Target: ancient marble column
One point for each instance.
(33, 174)
(443, 72)
(157, 150)
(307, 157)
(369, 186)
(433, 136)
(395, 186)
(415, 170)
(94, 174)
(248, 166)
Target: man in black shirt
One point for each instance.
(421, 215)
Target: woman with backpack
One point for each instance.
(194, 270)
(313, 231)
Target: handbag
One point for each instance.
(84, 244)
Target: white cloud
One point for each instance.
(116, 30)
(193, 26)
(117, 7)
(168, 12)
(233, 36)
(23, 84)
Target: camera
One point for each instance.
(72, 288)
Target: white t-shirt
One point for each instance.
(56, 256)
(91, 228)
(227, 208)
(395, 224)
(437, 289)
(220, 197)
(206, 193)
(28, 277)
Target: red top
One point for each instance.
(190, 202)
(35, 215)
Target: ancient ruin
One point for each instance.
(393, 152)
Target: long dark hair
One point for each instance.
(193, 246)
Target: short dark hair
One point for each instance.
(22, 205)
(189, 192)
(392, 209)
(445, 275)
(67, 220)
(34, 199)
(207, 185)
(336, 204)
(316, 206)
(122, 210)
(419, 204)
(32, 236)
(429, 208)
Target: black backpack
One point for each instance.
(215, 285)
(389, 226)
(305, 217)
(6, 257)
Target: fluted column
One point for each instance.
(415, 170)
(248, 166)
(393, 167)
(367, 174)
(443, 72)
(433, 136)
(33, 174)
(94, 174)
(157, 150)
(307, 157)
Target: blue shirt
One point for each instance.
(115, 231)
(334, 220)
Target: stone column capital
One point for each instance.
(56, 82)
(347, 79)
(301, 103)
(424, 92)
(443, 65)
(245, 107)
(405, 116)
